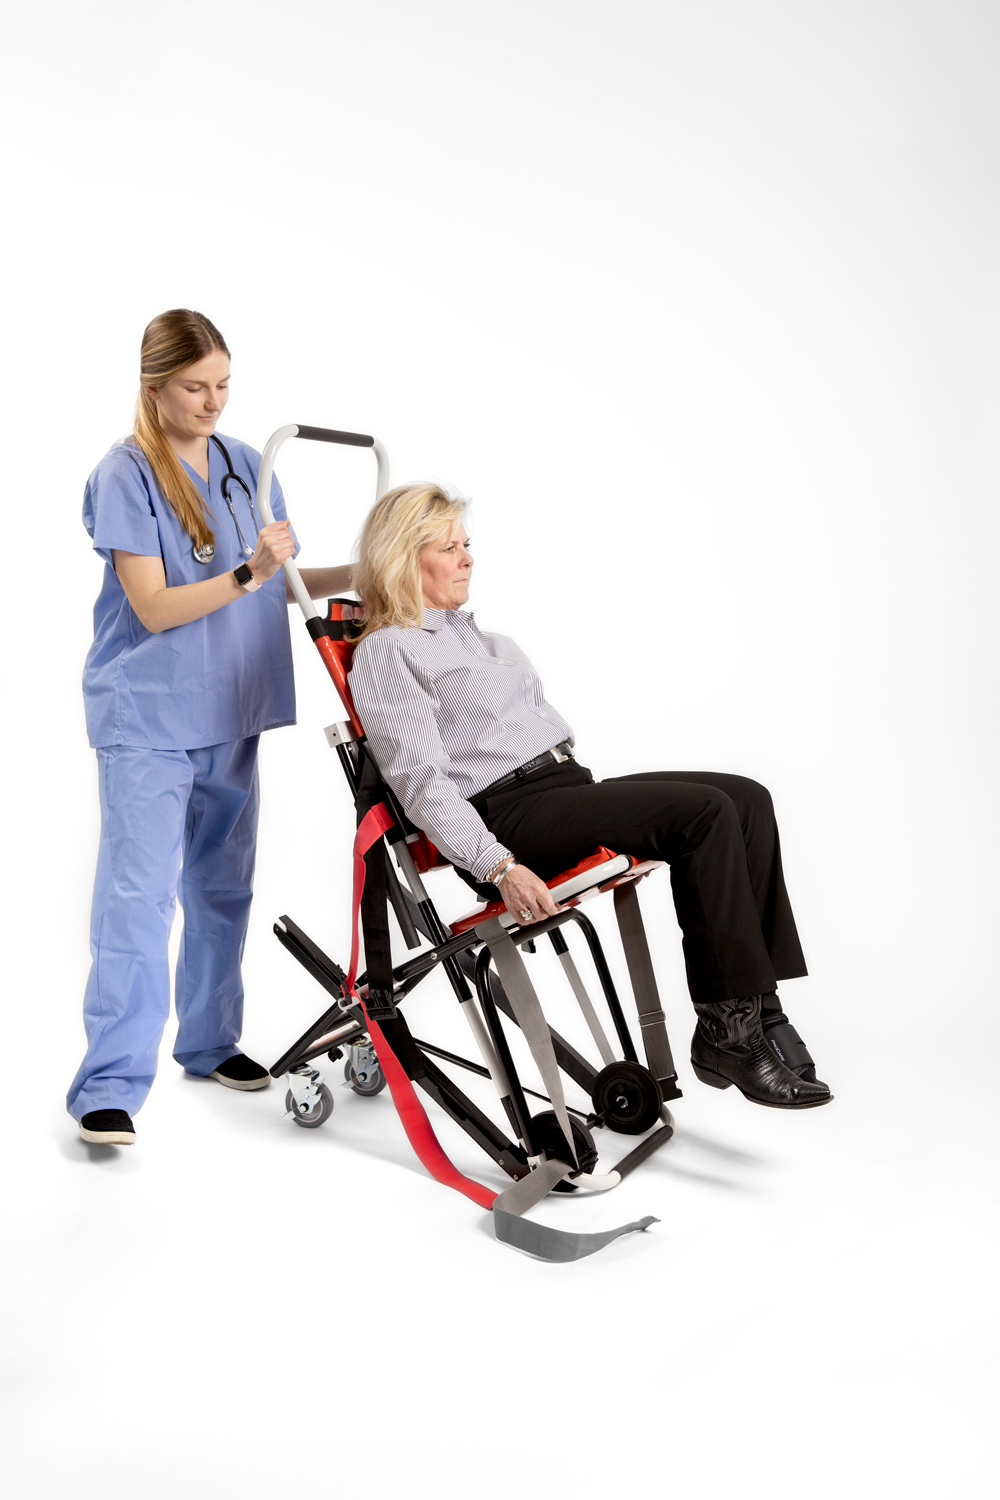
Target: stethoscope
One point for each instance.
(206, 552)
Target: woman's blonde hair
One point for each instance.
(398, 527)
(171, 342)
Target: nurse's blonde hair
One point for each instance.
(173, 341)
(398, 527)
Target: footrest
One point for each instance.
(659, 1137)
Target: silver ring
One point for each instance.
(524, 914)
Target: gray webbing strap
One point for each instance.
(528, 1014)
(540, 1239)
(589, 1013)
(652, 1021)
(557, 1244)
(525, 1193)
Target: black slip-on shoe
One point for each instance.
(107, 1127)
(241, 1072)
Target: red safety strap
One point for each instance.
(419, 1130)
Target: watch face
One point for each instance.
(243, 574)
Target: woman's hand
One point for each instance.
(275, 545)
(523, 892)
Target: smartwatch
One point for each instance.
(245, 579)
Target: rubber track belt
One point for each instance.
(507, 1207)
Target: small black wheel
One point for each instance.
(547, 1135)
(369, 1084)
(627, 1097)
(310, 1119)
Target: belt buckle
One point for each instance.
(558, 755)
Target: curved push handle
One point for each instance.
(320, 435)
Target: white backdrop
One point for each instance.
(699, 303)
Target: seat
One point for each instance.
(601, 871)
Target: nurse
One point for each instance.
(191, 662)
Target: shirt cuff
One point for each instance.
(494, 855)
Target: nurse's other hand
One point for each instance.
(274, 546)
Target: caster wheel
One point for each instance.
(546, 1135)
(627, 1097)
(310, 1119)
(369, 1084)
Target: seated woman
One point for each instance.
(462, 732)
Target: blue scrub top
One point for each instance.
(224, 677)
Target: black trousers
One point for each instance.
(717, 833)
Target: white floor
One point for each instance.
(699, 302)
(238, 1306)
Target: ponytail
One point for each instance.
(171, 342)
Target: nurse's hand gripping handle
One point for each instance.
(319, 435)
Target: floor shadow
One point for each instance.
(398, 1152)
(719, 1148)
(486, 1227)
(705, 1179)
(87, 1153)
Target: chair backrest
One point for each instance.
(343, 622)
(341, 628)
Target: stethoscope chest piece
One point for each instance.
(204, 553)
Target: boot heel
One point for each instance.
(714, 1080)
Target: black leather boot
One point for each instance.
(784, 1041)
(729, 1047)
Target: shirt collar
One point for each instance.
(437, 619)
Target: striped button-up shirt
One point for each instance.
(447, 711)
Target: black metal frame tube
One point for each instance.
(452, 1057)
(395, 893)
(451, 968)
(472, 1120)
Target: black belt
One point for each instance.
(557, 753)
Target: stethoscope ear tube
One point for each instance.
(204, 552)
(321, 435)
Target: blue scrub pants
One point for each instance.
(172, 822)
